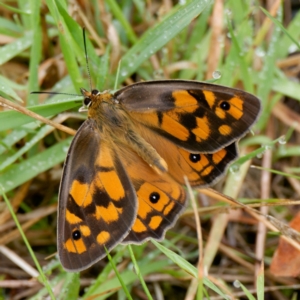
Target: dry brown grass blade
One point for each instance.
(32, 218)
(33, 115)
(216, 24)
(273, 224)
(19, 261)
(287, 116)
(192, 290)
(265, 194)
(35, 214)
(229, 209)
(232, 188)
(91, 30)
(267, 23)
(15, 202)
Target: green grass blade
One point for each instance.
(260, 284)
(112, 284)
(180, 261)
(15, 48)
(155, 38)
(7, 89)
(280, 25)
(13, 9)
(245, 75)
(185, 265)
(36, 164)
(115, 9)
(11, 210)
(71, 286)
(40, 134)
(103, 70)
(67, 43)
(267, 75)
(118, 275)
(245, 290)
(139, 274)
(36, 50)
(15, 136)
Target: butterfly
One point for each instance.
(124, 173)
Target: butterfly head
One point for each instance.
(93, 98)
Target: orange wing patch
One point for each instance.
(85, 230)
(112, 185)
(72, 218)
(104, 158)
(202, 131)
(103, 237)
(155, 222)
(172, 126)
(219, 156)
(138, 226)
(210, 97)
(109, 214)
(225, 130)
(151, 120)
(236, 107)
(81, 193)
(75, 246)
(184, 99)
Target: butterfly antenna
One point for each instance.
(56, 93)
(86, 58)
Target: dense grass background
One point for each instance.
(233, 43)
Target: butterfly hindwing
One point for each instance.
(199, 117)
(97, 201)
(160, 199)
(201, 169)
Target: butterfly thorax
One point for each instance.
(115, 126)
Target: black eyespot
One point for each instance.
(154, 197)
(87, 101)
(76, 235)
(225, 105)
(95, 92)
(195, 157)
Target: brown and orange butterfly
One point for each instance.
(123, 176)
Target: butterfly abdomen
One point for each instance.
(146, 152)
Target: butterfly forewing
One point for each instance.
(97, 201)
(196, 116)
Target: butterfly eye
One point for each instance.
(95, 92)
(154, 197)
(76, 235)
(225, 105)
(87, 101)
(194, 157)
